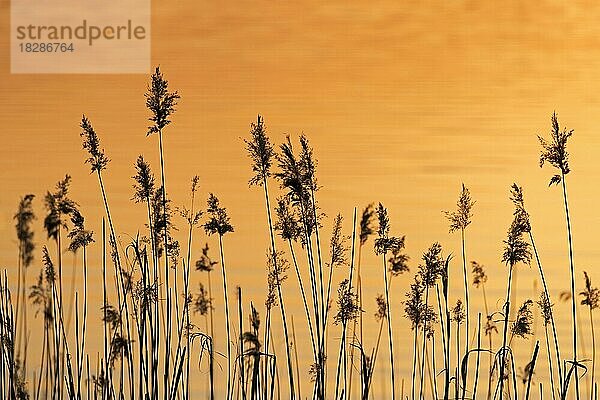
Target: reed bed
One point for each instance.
(158, 334)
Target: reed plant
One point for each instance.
(157, 329)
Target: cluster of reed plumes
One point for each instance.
(153, 344)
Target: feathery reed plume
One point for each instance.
(384, 244)
(219, 223)
(398, 261)
(591, 298)
(522, 325)
(479, 275)
(24, 218)
(261, 152)
(91, 143)
(347, 304)
(516, 250)
(367, 220)
(554, 152)
(144, 181)
(160, 102)
(202, 301)
(459, 221)
(80, 237)
(458, 312)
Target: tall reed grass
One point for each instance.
(159, 337)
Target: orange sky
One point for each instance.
(402, 101)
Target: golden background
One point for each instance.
(403, 101)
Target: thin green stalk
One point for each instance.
(504, 333)
(424, 346)
(573, 292)
(546, 292)
(550, 370)
(304, 301)
(593, 348)
(166, 256)
(389, 319)
(478, 356)
(414, 364)
(279, 292)
(467, 308)
(227, 323)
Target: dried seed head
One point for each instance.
(160, 102)
(384, 243)
(381, 307)
(205, 263)
(80, 237)
(461, 218)
(260, 151)
(418, 313)
(97, 159)
(58, 205)
(218, 221)
(545, 308)
(48, 266)
(202, 301)
(296, 177)
(144, 178)
(555, 151)
(479, 275)
(24, 219)
(591, 295)
(348, 309)
(458, 312)
(516, 249)
(399, 260)
(338, 247)
(433, 265)
(366, 223)
(522, 326)
(490, 326)
(287, 223)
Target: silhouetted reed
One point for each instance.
(554, 152)
(516, 250)
(157, 318)
(459, 221)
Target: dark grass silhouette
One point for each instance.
(152, 339)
